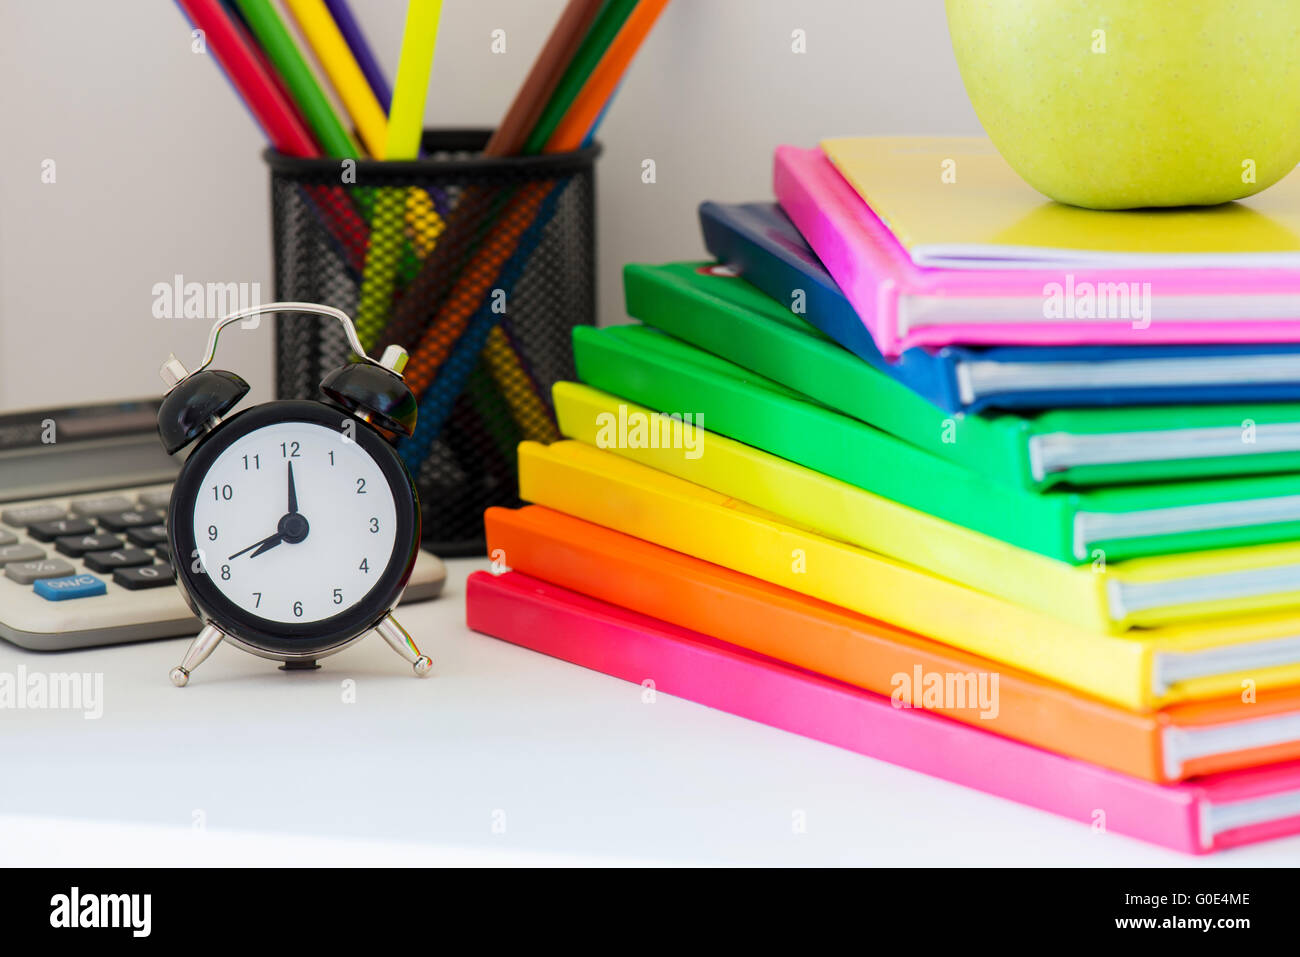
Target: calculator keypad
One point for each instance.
(146, 576)
(117, 558)
(78, 545)
(99, 506)
(31, 514)
(118, 535)
(24, 573)
(58, 528)
(131, 518)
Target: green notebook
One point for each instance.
(1079, 447)
(1077, 526)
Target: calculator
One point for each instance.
(83, 543)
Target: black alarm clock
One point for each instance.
(293, 525)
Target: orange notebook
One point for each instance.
(1180, 742)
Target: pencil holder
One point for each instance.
(478, 266)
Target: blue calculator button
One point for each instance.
(74, 586)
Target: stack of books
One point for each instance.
(930, 468)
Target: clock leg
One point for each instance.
(199, 649)
(401, 642)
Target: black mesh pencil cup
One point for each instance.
(478, 266)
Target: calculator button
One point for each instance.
(24, 573)
(146, 576)
(49, 531)
(75, 586)
(8, 538)
(117, 558)
(26, 515)
(156, 498)
(132, 518)
(20, 553)
(78, 545)
(98, 506)
(164, 551)
(147, 537)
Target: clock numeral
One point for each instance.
(225, 573)
(222, 492)
(331, 457)
(374, 526)
(297, 609)
(256, 459)
(289, 450)
(365, 565)
(258, 602)
(212, 533)
(338, 596)
(361, 486)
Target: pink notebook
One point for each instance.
(905, 305)
(1212, 813)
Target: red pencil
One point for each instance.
(264, 96)
(244, 71)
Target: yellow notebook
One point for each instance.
(953, 201)
(1141, 670)
(1106, 596)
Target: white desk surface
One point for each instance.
(249, 765)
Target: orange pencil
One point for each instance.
(604, 80)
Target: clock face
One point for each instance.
(293, 522)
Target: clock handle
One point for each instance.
(198, 652)
(401, 642)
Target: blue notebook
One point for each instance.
(759, 242)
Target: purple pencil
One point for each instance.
(356, 41)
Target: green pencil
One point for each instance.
(284, 56)
(608, 22)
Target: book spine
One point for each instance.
(799, 196)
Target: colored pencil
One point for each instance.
(425, 294)
(356, 41)
(546, 72)
(451, 377)
(477, 278)
(261, 94)
(293, 69)
(255, 86)
(577, 123)
(603, 32)
(336, 59)
(534, 418)
(406, 115)
(405, 126)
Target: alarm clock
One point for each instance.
(293, 525)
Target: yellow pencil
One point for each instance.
(406, 118)
(526, 408)
(405, 126)
(334, 56)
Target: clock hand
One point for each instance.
(269, 542)
(293, 492)
(267, 545)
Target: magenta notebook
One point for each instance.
(1212, 813)
(904, 305)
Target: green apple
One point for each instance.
(1114, 104)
